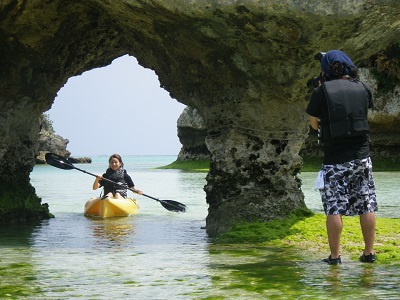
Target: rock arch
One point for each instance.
(243, 66)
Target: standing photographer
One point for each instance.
(339, 109)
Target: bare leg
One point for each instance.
(367, 222)
(334, 227)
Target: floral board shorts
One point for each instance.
(349, 188)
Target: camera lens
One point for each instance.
(319, 55)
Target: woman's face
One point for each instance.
(115, 164)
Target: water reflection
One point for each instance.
(17, 235)
(163, 255)
(112, 232)
(353, 280)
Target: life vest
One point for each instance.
(117, 176)
(347, 104)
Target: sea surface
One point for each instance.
(159, 254)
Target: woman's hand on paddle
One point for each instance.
(96, 183)
(137, 191)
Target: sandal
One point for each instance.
(333, 261)
(368, 258)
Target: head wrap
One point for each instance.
(339, 56)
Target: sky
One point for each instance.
(120, 108)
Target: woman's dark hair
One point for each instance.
(117, 156)
(338, 70)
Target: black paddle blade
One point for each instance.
(172, 205)
(58, 161)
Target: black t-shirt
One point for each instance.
(341, 149)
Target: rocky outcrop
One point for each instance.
(49, 141)
(192, 135)
(384, 118)
(242, 65)
(80, 160)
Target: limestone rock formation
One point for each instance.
(192, 135)
(80, 160)
(242, 65)
(385, 117)
(49, 141)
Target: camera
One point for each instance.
(317, 80)
(319, 56)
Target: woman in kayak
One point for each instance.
(117, 174)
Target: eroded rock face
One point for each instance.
(243, 67)
(192, 135)
(49, 141)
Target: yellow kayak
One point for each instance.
(111, 207)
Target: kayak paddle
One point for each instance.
(63, 163)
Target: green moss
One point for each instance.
(385, 165)
(261, 232)
(17, 205)
(15, 284)
(306, 233)
(386, 82)
(131, 282)
(193, 165)
(311, 164)
(10, 200)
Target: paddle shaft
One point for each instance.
(116, 183)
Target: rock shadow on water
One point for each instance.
(18, 235)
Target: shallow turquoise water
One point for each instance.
(164, 255)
